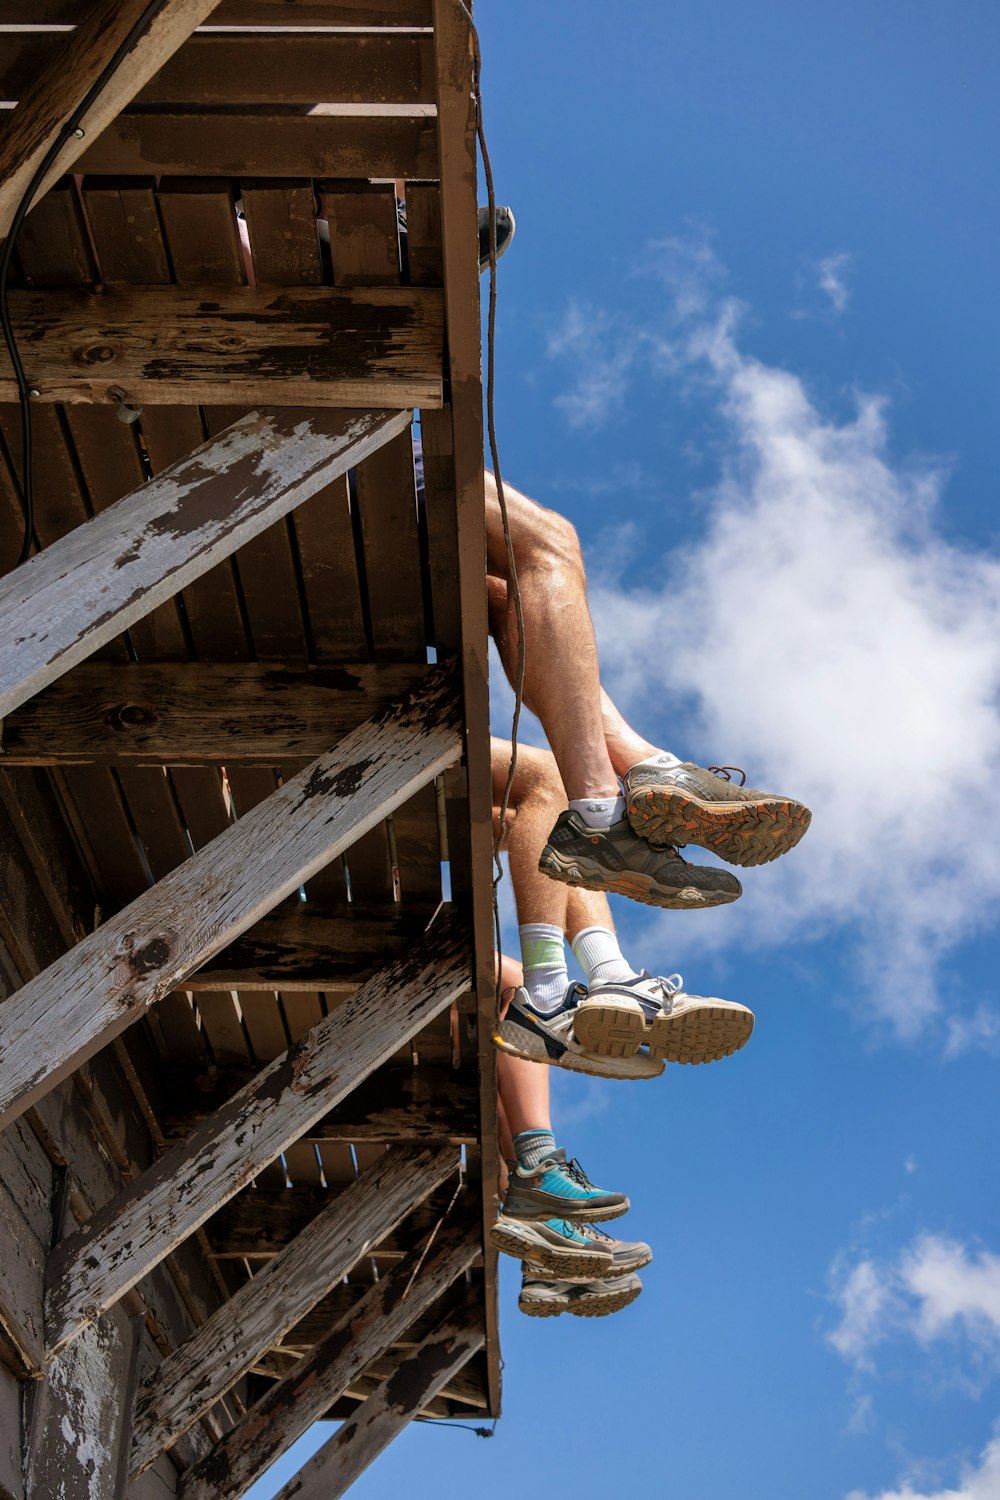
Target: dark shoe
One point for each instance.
(684, 804)
(559, 1189)
(543, 1298)
(615, 1020)
(616, 859)
(504, 220)
(526, 1033)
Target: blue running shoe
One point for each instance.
(626, 1255)
(525, 1032)
(557, 1188)
(542, 1298)
(554, 1247)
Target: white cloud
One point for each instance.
(934, 1289)
(587, 336)
(979, 1483)
(818, 629)
(831, 273)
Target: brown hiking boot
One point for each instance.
(683, 804)
(614, 859)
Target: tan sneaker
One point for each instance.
(616, 1020)
(683, 804)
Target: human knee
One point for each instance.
(540, 538)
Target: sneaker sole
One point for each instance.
(573, 1063)
(576, 1212)
(743, 833)
(630, 883)
(597, 1306)
(589, 1266)
(616, 1269)
(698, 1034)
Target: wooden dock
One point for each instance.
(247, 1090)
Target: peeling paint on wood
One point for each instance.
(92, 993)
(94, 1268)
(86, 588)
(261, 1312)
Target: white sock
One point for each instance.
(600, 957)
(543, 958)
(659, 761)
(599, 812)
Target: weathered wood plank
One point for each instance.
(92, 1269)
(308, 346)
(248, 68)
(198, 713)
(395, 1104)
(386, 1412)
(307, 946)
(39, 119)
(21, 1330)
(272, 13)
(92, 993)
(269, 144)
(383, 1315)
(257, 1316)
(79, 593)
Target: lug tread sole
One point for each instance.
(635, 886)
(598, 1306)
(554, 1262)
(742, 833)
(697, 1035)
(573, 1063)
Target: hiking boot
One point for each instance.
(671, 805)
(541, 1298)
(555, 1247)
(616, 1019)
(626, 1256)
(616, 859)
(504, 220)
(559, 1189)
(525, 1032)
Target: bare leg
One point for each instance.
(523, 1086)
(562, 680)
(624, 745)
(537, 798)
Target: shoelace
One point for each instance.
(578, 1175)
(670, 985)
(723, 773)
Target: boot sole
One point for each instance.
(574, 1063)
(598, 1306)
(699, 1034)
(554, 1262)
(742, 833)
(630, 883)
(579, 1213)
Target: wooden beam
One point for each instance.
(268, 144)
(198, 713)
(255, 1317)
(309, 946)
(306, 1393)
(81, 592)
(270, 13)
(259, 68)
(311, 346)
(387, 1411)
(90, 1270)
(395, 1104)
(38, 120)
(87, 997)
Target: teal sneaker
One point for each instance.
(559, 1189)
(541, 1298)
(555, 1247)
(615, 1020)
(527, 1033)
(617, 859)
(626, 1255)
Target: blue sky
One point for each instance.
(748, 335)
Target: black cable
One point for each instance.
(72, 127)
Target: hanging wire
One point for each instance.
(72, 127)
(514, 591)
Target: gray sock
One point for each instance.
(533, 1146)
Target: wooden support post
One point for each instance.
(312, 347)
(87, 997)
(91, 1269)
(39, 118)
(310, 1388)
(256, 1317)
(198, 713)
(386, 1412)
(84, 590)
